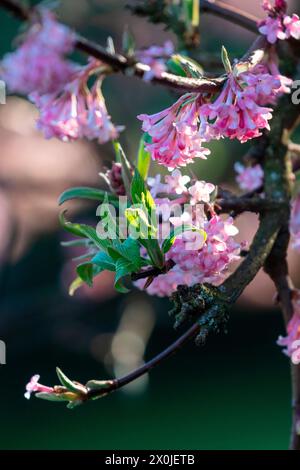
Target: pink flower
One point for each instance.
(272, 28)
(285, 82)
(292, 340)
(177, 182)
(250, 178)
(156, 185)
(292, 25)
(278, 25)
(35, 386)
(176, 140)
(201, 192)
(38, 65)
(295, 223)
(197, 260)
(76, 112)
(155, 57)
(239, 112)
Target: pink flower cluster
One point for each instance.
(155, 57)
(249, 178)
(278, 25)
(76, 111)
(176, 140)
(34, 386)
(238, 112)
(39, 64)
(197, 260)
(291, 342)
(295, 223)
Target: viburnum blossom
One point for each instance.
(291, 342)
(196, 260)
(155, 57)
(34, 386)
(76, 111)
(249, 178)
(273, 68)
(176, 140)
(201, 192)
(278, 25)
(177, 182)
(295, 223)
(240, 112)
(38, 65)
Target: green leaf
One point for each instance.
(76, 284)
(127, 169)
(86, 273)
(50, 396)
(141, 195)
(108, 219)
(138, 188)
(123, 269)
(175, 67)
(225, 60)
(85, 243)
(69, 384)
(104, 261)
(138, 219)
(144, 157)
(191, 68)
(87, 193)
(154, 252)
(168, 242)
(128, 43)
(129, 250)
(84, 231)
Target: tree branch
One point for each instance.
(230, 13)
(124, 64)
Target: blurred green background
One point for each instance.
(234, 393)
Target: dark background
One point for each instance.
(234, 393)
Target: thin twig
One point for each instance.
(126, 65)
(230, 13)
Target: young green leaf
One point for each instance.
(84, 231)
(226, 61)
(144, 157)
(87, 193)
(123, 269)
(128, 43)
(86, 273)
(191, 68)
(129, 250)
(104, 261)
(69, 384)
(76, 284)
(50, 396)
